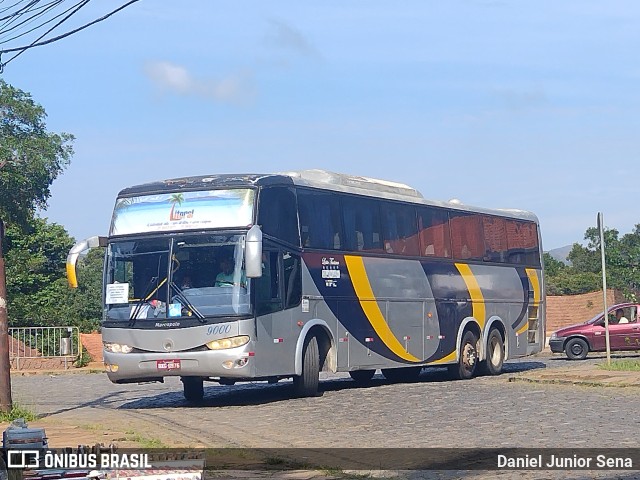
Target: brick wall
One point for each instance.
(571, 309)
(92, 343)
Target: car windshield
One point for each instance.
(594, 319)
(195, 276)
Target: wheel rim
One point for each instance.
(576, 349)
(468, 357)
(496, 351)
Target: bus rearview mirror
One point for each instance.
(253, 253)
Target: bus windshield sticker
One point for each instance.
(117, 293)
(183, 211)
(175, 309)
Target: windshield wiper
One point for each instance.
(141, 302)
(186, 302)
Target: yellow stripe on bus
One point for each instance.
(369, 305)
(452, 356)
(535, 285)
(477, 300)
(523, 329)
(533, 278)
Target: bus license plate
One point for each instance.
(168, 364)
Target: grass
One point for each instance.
(144, 442)
(16, 412)
(622, 365)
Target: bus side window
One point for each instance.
(277, 214)
(268, 299)
(292, 280)
(361, 217)
(320, 220)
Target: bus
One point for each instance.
(320, 272)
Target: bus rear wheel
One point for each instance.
(306, 385)
(495, 354)
(468, 359)
(193, 388)
(362, 376)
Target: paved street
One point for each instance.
(434, 412)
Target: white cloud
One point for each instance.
(237, 88)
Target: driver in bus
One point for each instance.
(226, 276)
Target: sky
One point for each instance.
(527, 104)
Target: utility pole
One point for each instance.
(5, 377)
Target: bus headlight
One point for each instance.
(117, 347)
(230, 342)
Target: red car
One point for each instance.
(578, 340)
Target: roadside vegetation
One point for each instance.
(16, 412)
(623, 365)
(583, 274)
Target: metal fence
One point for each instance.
(44, 342)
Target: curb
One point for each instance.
(69, 371)
(578, 382)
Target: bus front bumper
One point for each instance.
(150, 366)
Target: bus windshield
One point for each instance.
(184, 276)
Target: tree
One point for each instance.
(622, 256)
(36, 282)
(31, 158)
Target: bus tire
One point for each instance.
(405, 374)
(362, 376)
(306, 385)
(492, 365)
(576, 349)
(193, 388)
(468, 359)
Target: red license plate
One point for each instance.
(168, 364)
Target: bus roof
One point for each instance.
(315, 178)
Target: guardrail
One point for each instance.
(44, 343)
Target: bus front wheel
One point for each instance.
(468, 358)
(306, 385)
(193, 388)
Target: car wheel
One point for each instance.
(576, 349)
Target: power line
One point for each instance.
(44, 10)
(39, 41)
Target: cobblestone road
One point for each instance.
(434, 412)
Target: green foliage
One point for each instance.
(83, 359)
(31, 158)
(18, 412)
(37, 288)
(622, 257)
(624, 365)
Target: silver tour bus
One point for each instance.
(230, 278)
